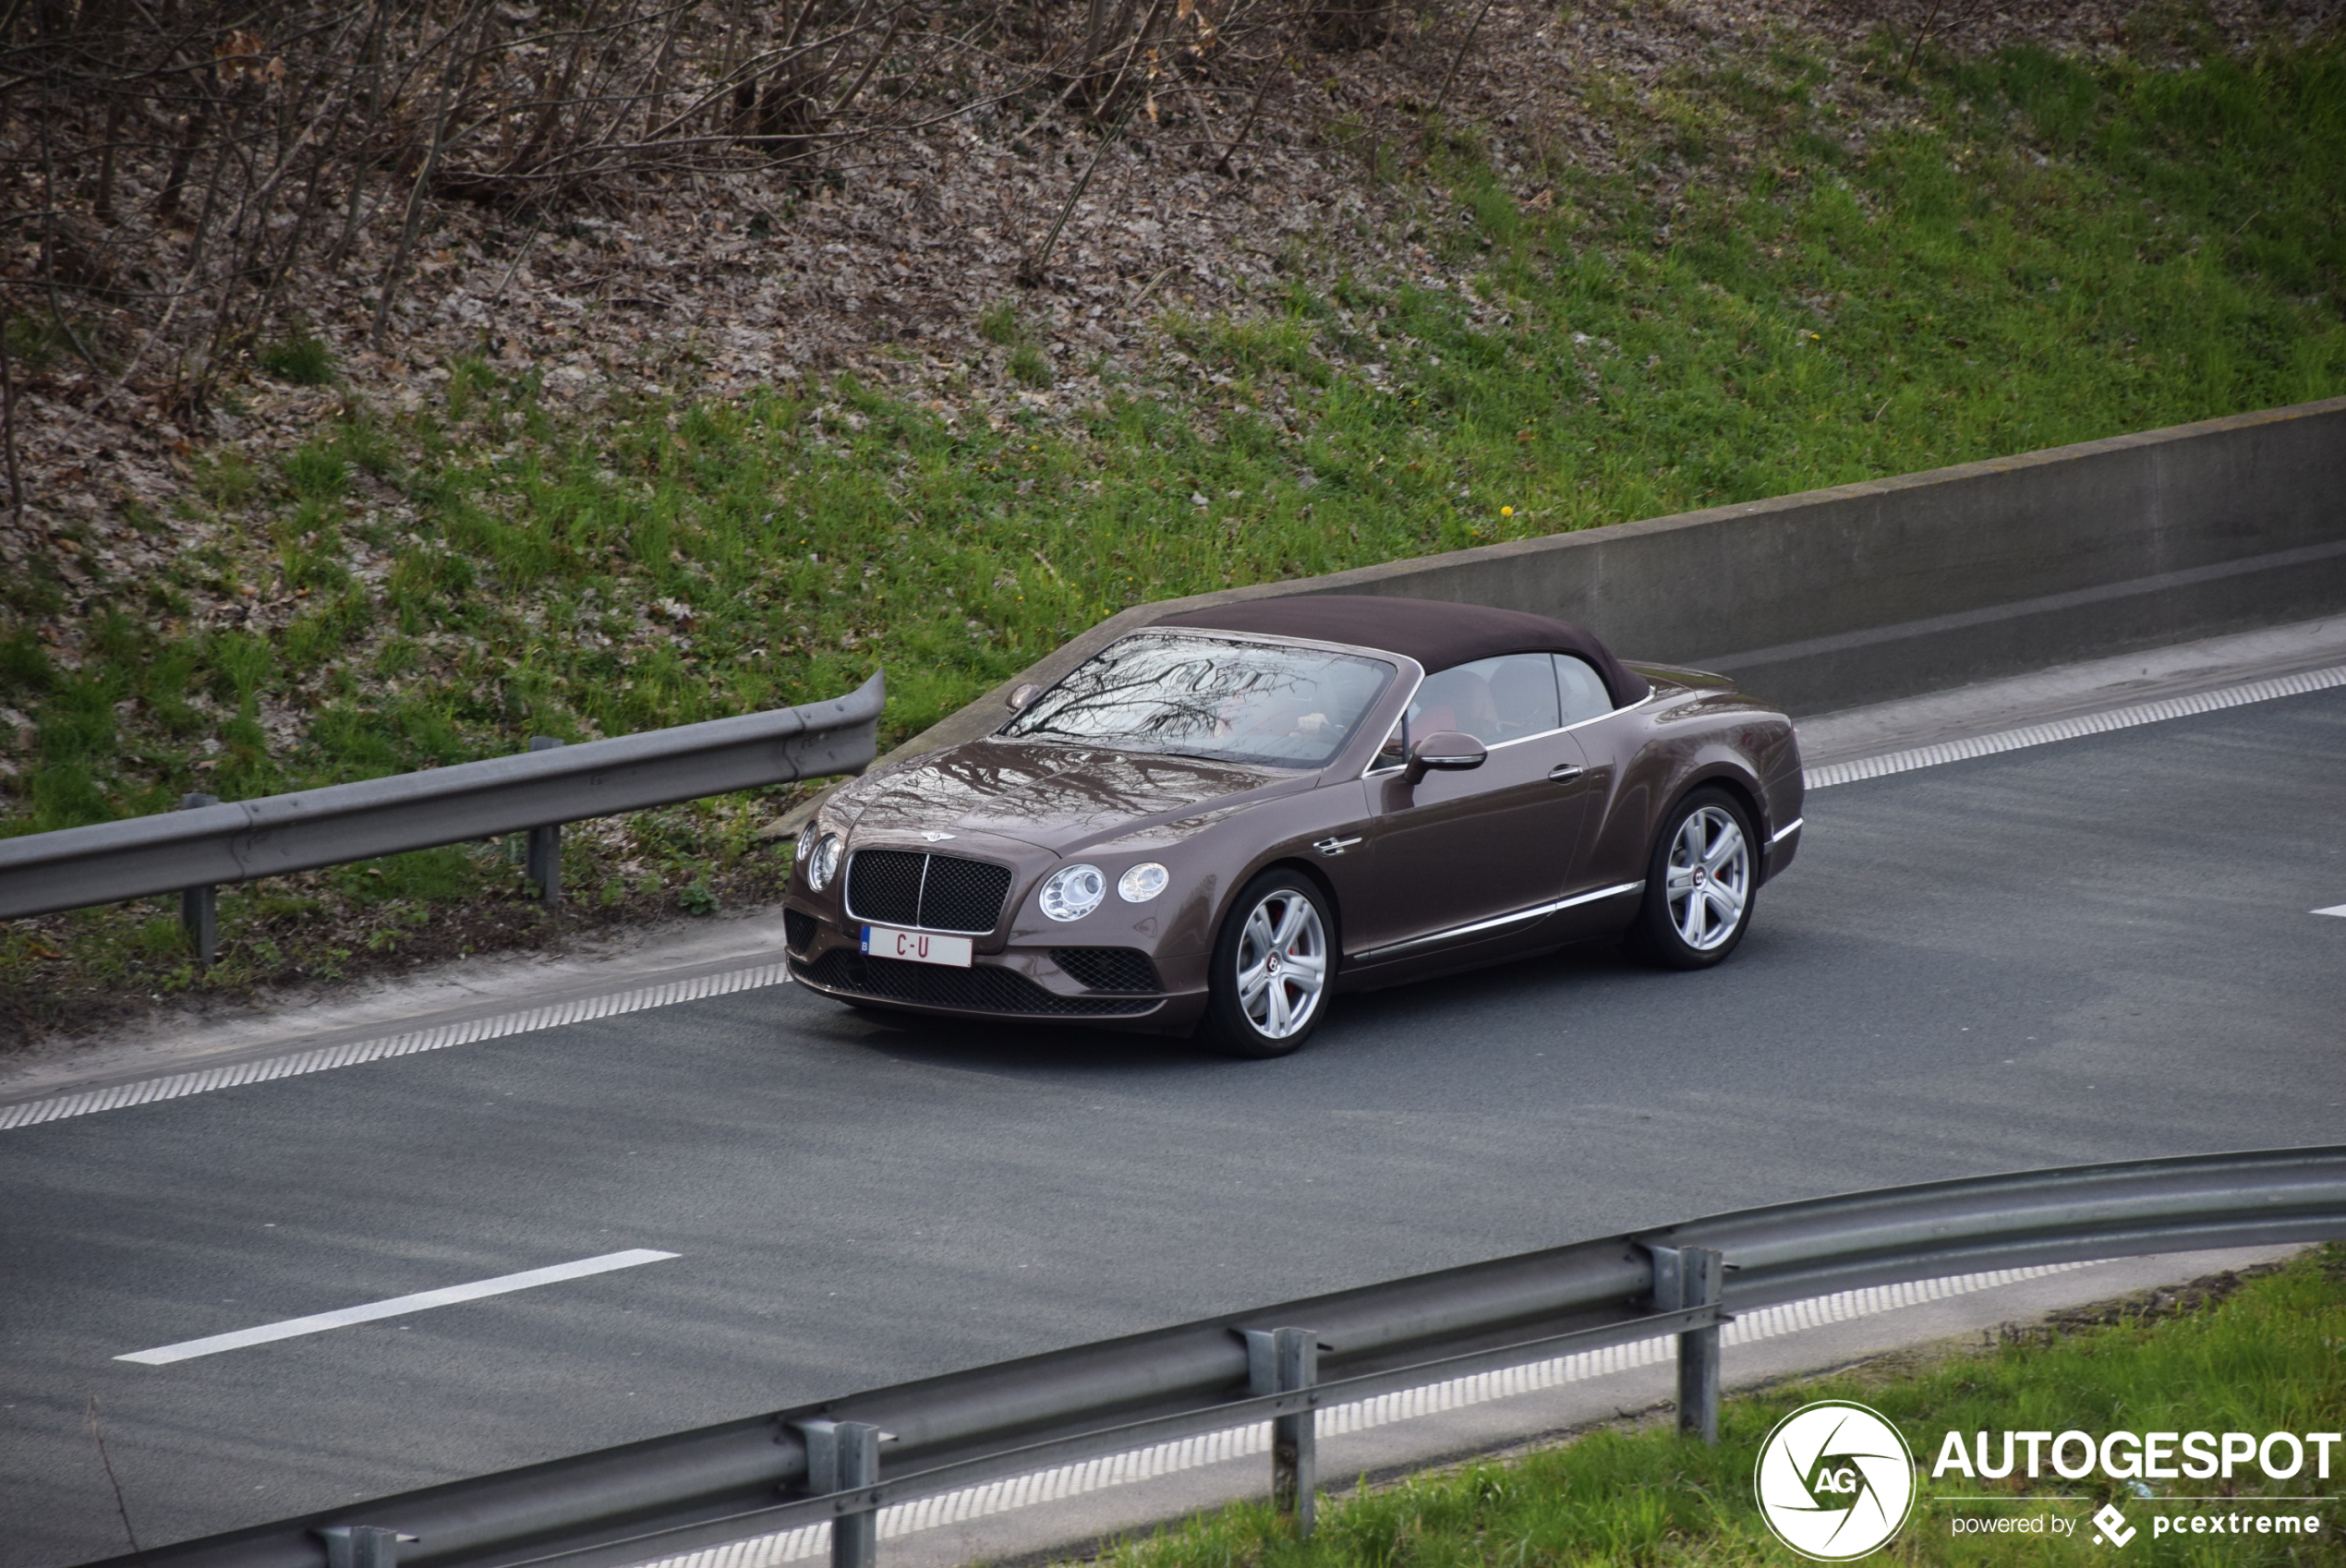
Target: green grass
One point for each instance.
(999, 323)
(1028, 365)
(2272, 1357)
(302, 360)
(2050, 252)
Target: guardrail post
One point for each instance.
(199, 907)
(544, 866)
(361, 1546)
(1284, 1361)
(1684, 1277)
(840, 1456)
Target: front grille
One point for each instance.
(986, 988)
(940, 892)
(884, 886)
(963, 895)
(1107, 969)
(798, 930)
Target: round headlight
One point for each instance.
(806, 837)
(823, 864)
(1074, 892)
(1143, 882)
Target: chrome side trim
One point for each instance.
(1578, 723)
(1786, 832)
(1526, 740)
(1396, 949)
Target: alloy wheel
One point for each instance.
(1282, 964)
(1709, 878)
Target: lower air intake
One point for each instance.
(984, 988)
(1107, 969)
(799, 930)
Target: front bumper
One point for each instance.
(1121, 988)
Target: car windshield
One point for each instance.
(1210, 697)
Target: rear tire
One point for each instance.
(1701, 881)
(1272, 966)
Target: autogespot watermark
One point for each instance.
(2138, 1459)
(2144, 1456)
(1836, 1481)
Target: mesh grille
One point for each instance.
(885, 885)
(987, 988)
(963, 895)
(798, 930)
(1107, 969)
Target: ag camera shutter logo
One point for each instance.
(1835, 1480)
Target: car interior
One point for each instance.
(1494, 700)
(1498, 700)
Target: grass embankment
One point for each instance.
(2270, 1358)
(2040, 251)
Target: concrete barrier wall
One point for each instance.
(1865, 593)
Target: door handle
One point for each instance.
(1564, 773)
(1335, 846)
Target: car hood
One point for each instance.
(1059, 798)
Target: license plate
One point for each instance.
(917, 946)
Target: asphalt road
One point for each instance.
(2096, 949)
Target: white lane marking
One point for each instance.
(31, 1112)
(1239, 1442)
(2339, 909)
(1849, 772)
(397, 1307)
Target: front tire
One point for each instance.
(1272, 966)
(1701, 882)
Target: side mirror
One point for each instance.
(1022, 694)
(1445, 751)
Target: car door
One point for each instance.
(1607, 873)
(1456, 851)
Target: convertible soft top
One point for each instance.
(1437, 635)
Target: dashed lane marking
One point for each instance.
(31, 1112)
(1849, 772)
(2339, 909)
(397, 1307)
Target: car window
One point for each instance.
(1207, 696)
(1584, 693)
(1494, 700)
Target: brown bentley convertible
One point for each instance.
(1222, 820)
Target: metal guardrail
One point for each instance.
(821, 1461)
(207, 843)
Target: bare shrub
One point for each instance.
(174, 172)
